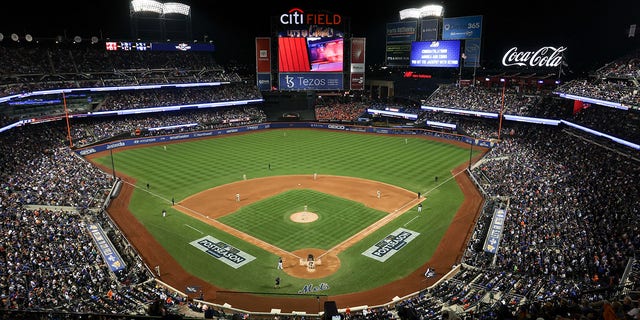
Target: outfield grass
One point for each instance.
(190, 167)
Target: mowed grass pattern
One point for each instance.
(269, 220)
(189, 167)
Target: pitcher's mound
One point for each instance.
(304, 217)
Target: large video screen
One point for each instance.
(326, 54)
(438, 54)
(311, 54)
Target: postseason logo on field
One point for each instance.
(226, 253)
(391, 244)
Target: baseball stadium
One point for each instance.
(156, 183)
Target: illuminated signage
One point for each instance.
(544, 57)
(157, 46)
(127, 46)
(183, 47)
(310, 81)
(445, 53)
(296, 16)
(462, 28)
(415, 75)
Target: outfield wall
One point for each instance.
(280, 125)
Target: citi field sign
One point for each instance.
(547, 56)
(297, 16)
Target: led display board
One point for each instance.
(438, 54)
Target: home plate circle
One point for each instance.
(304, 217)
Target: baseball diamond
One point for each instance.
(253, 228)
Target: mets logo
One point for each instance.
(183, 47)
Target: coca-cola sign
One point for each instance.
(544, 57)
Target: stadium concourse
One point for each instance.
(569, 244)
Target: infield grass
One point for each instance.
(186, 168)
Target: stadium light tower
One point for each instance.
(151, 16)
(141, 6)
(176, 8)
(431, 11)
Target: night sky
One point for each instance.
(593, 33)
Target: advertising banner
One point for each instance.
(107, 249)
(472, 51)
(398, 54)
(263, 55)
(391, 244)
(167, 46)
(462, 28)
(263, 63)
(429, 29)
(402, 32)
(157, 46)
(495, 231)
(276, 125)
(437, 54)
(310, 81)
(264, 81)
(222, 251)
(357, 69)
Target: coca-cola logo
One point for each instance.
(543, 57)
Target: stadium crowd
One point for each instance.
(48, 260)
(567, 240)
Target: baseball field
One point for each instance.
(233, 205)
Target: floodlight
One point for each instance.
(28, 37)
(174, 7)
(77, 39)
(1, 36)
(14, 37)
(431, 10)
(146, 6)
(410, 13)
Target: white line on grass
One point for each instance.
(194, 228)
(378, 224)
(225, 228)
(147, 191)
(367, 230)
(416, 217)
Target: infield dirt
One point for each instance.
(447, 254)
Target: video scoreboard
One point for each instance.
(157, 46)
(127, 46)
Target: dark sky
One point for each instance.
(594, 32)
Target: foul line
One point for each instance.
(337, 248)
(225, 228)
(382, 222)
(416, 217)
(194, 228)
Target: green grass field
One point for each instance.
(269, 220)
(193, 166)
